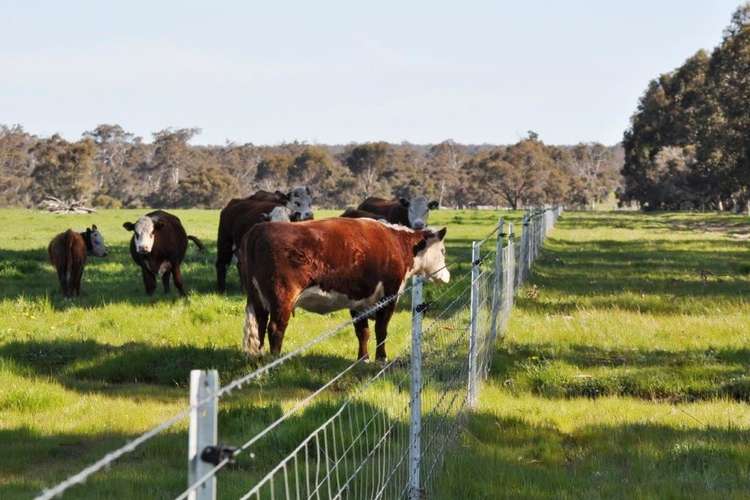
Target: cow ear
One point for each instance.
(420, 246)
(433, 205)
(129, 226)
(265, 217)
(307, 189)
(93, 227)
(441, 233)
(404, 202)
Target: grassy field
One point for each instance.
(79, 378)
(625, 372)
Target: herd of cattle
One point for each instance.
(285, 258)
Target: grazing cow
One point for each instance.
(323, 266)
(158, 246)
(410, 213)
(67, 253)
(241, 214)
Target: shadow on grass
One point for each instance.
(556, 371)
(511, 458)
(89, 365)
(35, 461)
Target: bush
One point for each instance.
(106, 201)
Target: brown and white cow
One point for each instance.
(411, 213)
(241, 214)
(323, 266)
(67, 253)
(158, 246)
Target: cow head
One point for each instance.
(299, 202)
(429, 256)
(278, 214)
(419, 210)
(95, 242)
(144, 230)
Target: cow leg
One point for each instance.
(262, 315)
(62, 278)
(149, 281)
(165, 281)
(277, 326)
(382, 318)
(78, 277)
(221, 274)
(177, 275)
(362, 329)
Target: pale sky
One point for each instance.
(337, 72)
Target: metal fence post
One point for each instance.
(203, 430)
(498, 290)
(510, 275)
(415, 402)
(473, 347)
(521, 257)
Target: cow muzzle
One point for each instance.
(418, 225)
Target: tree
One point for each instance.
(64, 169)
(368, 163)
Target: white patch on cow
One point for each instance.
(316, 300)
(300, 203)
(430, 262)
(98, 248)
(279, 214)
(164, 267)
(418, 212)
(395, 227)
(235, 259)
(144, 234)
(251, 338)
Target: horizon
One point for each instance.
(338, 74)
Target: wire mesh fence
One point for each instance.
(386, 434)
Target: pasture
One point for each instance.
(624, 370)
(81, 377)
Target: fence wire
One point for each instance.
(359, 447)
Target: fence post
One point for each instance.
(510, 275)
(415, 401)
(473, 347)
(203, 431)
(520, 274)
(498, 290)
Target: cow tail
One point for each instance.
(198, 243)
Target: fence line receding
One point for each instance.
(387, 436)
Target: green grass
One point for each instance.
(626, 373)
(79, 378)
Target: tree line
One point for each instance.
(688, 146)
(110, 168)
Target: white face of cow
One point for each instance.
(279, 214)
(98, 248)
(430, 258)
(144, 232)
(300, 204)
(419, 211)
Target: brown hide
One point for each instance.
(348, 256)
(391, 210)
(67, 253)
(355, 213)
(236, 219)
(167, 253)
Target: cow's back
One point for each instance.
(339, 253)
(390, 210)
